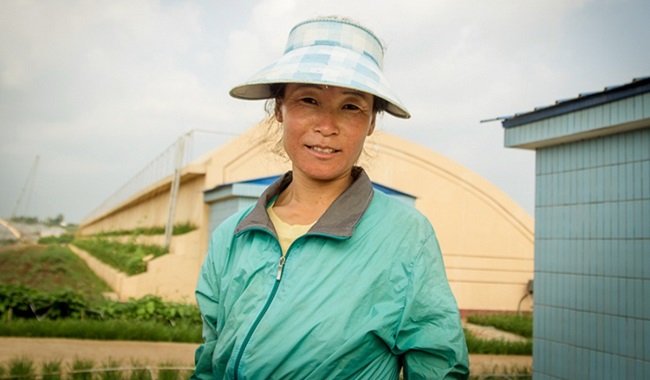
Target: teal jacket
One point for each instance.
(362, 295)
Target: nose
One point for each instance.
(326, 123)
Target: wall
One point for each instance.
(592, 315)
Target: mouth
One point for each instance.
(320, 149)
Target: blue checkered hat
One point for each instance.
(331, 52)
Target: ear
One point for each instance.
(277, 112)
(372, 123)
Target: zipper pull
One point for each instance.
(280, 266)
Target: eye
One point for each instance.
(308, 100)
(351, 107)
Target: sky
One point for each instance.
(92, 92)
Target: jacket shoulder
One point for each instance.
(395, 208)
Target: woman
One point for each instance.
(325, 278)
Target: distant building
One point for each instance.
(486, 238)
(592, 229)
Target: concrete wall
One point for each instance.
(172, 276)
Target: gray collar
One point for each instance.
(339, 220)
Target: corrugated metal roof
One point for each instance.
(583, 100)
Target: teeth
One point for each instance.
(323, 150)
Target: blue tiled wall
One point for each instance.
(592, 259)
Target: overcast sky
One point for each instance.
(99, 89)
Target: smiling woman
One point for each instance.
(324, 129)
(325, 277)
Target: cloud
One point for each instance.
(99, 89)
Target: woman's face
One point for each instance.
(324, 128)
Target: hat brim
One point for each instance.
(326, 65)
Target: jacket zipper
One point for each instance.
(259, 316)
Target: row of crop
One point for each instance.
(86, 369)
(25, 303)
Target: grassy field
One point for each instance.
(49, 268)
(53, 267)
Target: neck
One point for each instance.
(304, 201)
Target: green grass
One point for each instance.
(52, 268)
(103, 330)
(179, 229)
(521, 325)
(22, 368)
(125, 257)
(63, 239)
(51, 370)
(497, 346)
(505, 373)
(49, 268)
(80, 369)
(109, 373)
(83, 368)
(517, 324)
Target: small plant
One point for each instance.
(82, 369)
(167, 371)
(110, 370)
(503, 372)
(139, 372)
(51, 370)
(21, 368)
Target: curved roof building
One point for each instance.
(486, 238)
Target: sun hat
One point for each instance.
(327, 51)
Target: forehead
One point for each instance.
(292, 87)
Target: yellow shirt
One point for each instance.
(287, 233)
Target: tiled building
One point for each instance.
(592, 232)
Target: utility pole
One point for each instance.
(29, 186)
(173, 194)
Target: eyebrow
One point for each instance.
(346, 91)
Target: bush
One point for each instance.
(18, 301)
(21, 368)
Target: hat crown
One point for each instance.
(336, 32)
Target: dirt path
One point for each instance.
(182, 354)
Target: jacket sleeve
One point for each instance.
(430, 336)
(207, 297)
